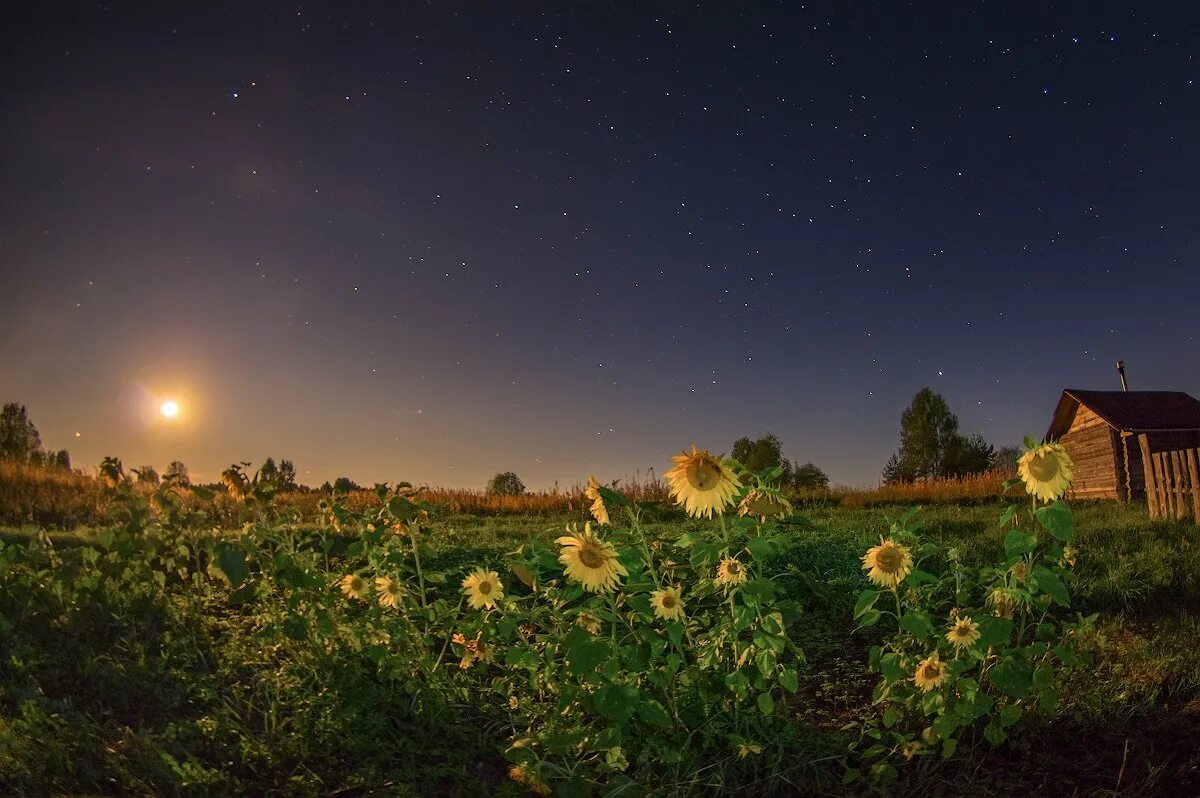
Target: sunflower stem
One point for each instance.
(416, 548)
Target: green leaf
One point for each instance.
(994, 734)
(737, 683)
(766, 704)
(890, 716)
(1013, 677)
(916, 623)
(295, 627)
(617, 702)
(1009, 714)
(869, 619)
(232, 562)
(889, 666)
(1010, 512)
(1057, 520)
(788, 680)
(994, 631)
(1017, 543)
(1048, 582)
(759, 549)
(653, 713)
(866, 600)
(675, 632)
(584, 652)
(202, 493)
(612, 497)
(945, 725)
(765, 660)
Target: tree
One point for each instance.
(808, 477)
(971, 455)
(287, 475)
(269, 471)
(1007, 457)
(326, 487)
(345, 485)
(62, 459)
(19, 439)
(930, 445)
(177, 473)
(759, 454)
(506, 484)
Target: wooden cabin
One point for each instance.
(1100, 430)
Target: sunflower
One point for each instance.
(764, 503)
(599, 511)
(590, 561)
(910, 749)
(1005, 601)
(390, 591)
(354, 586)
(667, 603)
(701, 483)
(730, 572)
(889, 563)
(930, 673)
(1046, 470)
(482, 589)
(1068, 558)
(963, 632)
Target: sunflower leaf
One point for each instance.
(612, 497)
(232, 562)
(1049, 583)
(917, 623)
(866, 601)
(1057, 520)
(1017, 543)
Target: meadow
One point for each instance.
(182, 643)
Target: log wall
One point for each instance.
(1093, 447)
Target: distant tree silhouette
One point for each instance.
(506, 484)
(287, 475)
(62, 459)
(930, 445)
(808, 477)
(345, 485)
(269, 472)
(759, 454)
(1006, 458)
(19, 439)
(177, 473)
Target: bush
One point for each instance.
(505, 484)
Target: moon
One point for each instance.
(169, 408)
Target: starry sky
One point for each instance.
(433, 241)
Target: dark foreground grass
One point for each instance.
(179, 697)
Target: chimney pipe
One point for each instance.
(1121, 371)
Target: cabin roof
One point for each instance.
(1129, 411)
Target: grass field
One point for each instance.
(125, 669)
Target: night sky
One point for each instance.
(432, 241)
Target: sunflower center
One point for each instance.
(484, 587)
(668, 601)
(889, 559)
(591, 556)
(931, 671)
(704, 475)
(1044, 467)
(734, 567)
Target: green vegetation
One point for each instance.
(153, 655)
